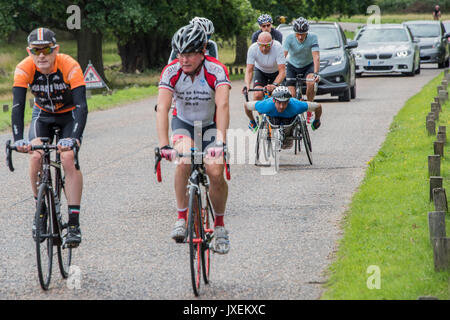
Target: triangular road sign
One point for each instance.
(93, 79)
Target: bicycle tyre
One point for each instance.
(206, 263)
(64, 254)
(305, 142)
(47, 244)
(196, 255)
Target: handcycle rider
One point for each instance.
(56, 81)
(304, 58)
(281, 108)
(201, 86)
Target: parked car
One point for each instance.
(433, 41)
(337, 61)
(447, 28)
(387, 48)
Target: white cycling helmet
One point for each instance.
(190, 38)
(281, 93)
(205, 23)
(301, 25)
(264, 18)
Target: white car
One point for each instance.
(387, 48)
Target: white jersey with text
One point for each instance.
(195, 100)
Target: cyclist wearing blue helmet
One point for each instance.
(265, 24)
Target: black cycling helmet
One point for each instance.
(265, 18)
(281, 93)
(205, 23)
(41, 36)
(301, 25)
(190, 38)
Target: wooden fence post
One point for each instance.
(431, 126)
(440, 199)
(442, 130)
(436, 224)
(5, 108)
(441, 253)
(434, 165)
(439, 148)
(435, 182)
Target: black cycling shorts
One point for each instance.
(262, 79)
(292, 72)
(43, 124)
(182, 129)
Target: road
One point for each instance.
(283, 228)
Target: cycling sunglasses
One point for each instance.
(46, 50)
(267, 45)
(266, 25)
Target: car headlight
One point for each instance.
(436, 44)
(403, 53)
(336, 61)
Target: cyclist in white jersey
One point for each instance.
(201, 87)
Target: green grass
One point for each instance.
(387, 222)
(96, 102)
(386, 18)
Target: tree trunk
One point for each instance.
(89, 45)
(241, 49)
(142, 52)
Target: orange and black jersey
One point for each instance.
(52, 92)
(59, 92)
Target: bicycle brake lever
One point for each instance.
(9, 162)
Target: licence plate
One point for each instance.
(376, 63)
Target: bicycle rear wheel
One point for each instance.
(206, 262)
(196, 254)
(44, 237)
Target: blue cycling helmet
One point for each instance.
(265, 18)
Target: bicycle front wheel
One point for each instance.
(43, 236)
(195, 228)
(306, 141)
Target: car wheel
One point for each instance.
(447, 63)
(346, 95)
(418, 70)
(442, 64)
(353, 92)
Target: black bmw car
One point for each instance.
(337, 61)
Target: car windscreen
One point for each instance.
(286, 31)
(382, 35)
(447, 26)
(425, 30)
(328, 37)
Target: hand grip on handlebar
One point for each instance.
(158, 158)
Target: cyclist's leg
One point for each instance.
(39, 127)
(260, 80)
(291, 75)
(310, 92)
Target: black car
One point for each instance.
(433, 43)
(337, 61)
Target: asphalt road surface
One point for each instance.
(283, 228)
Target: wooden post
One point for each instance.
(435, 111)
(5, 108)
(31, 101)
(440, 199)
(436, 224)
(435, 182)
(434, 165)
(230, 69)
(441, 254)
(236, 70)
(443, 131)
(444, 83)
(88, 94)
(439, 148)
(440, 138)
(431, 127)
(436, 99)
(443, 96)
(436, 105)
(440, 88)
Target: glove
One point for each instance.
(315, 125)
(217, 150)
(168, 153)
(22, 143)
(66, 142)
(253, 126)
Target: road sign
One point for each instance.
(93, 79)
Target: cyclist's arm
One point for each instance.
(316, 108)
(162, 116)
(249, 75)
(222, 100)
(18, 111)
(80, 112)
(316, 59)
(281, 73)
(249, 107)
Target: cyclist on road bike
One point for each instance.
(304, 58)
(201, 86)
(56, 81)
(267, 60)
(282, 109)
(265, 24)
(211, 47)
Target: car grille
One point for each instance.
(370, 56)
(378, 68)
(426, 47)
(385, 55)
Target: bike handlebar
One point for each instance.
(46, 147)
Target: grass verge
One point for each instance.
(387, 223)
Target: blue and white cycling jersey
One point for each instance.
(293, 108)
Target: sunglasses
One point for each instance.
(266, 45)
(265, 25)
(46, 50)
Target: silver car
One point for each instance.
(387, 48)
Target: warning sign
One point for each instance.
(93, 79)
